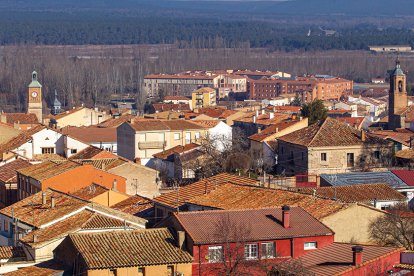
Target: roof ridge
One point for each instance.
(318, 132)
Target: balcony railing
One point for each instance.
(151, 145)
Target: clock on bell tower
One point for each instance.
(34, 98)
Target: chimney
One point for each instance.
(114, 187)
(277, 129)
(52, 202)
(357, 255)
(363, 136)
(285, 216)
(254, 119)
(263, 111)
(43, 198)
(259, 130)
(181, 239)
(257, 113)
(34, 238)
(271, 115)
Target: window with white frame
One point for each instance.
(310, 245)
(268, 250)
(48, 150)
(197, 135)
(215, 254)
(250, 251)
(176, 136)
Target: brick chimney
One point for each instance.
(357, 255)
(286, 216)
(43, 198)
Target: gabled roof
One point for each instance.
(176, 150)
(91, 134)
(47, 169)
(329, 133)
(230, 196)
(364, 193)
(92, 152)
(21, 118)
(343, 179)
(402, 136)
(115, 122)
(20, 139)
(31, 211)
(207, 123)
(271, 130)
(67, 113)
(201, 187)
(337, 258)
(355, 122)
(128, 248)
(8, 172)
(48, 268)
(159, 107)
(90, 191)
(205, 227)
(405, 175)
(12, 252)
(134, 205)
(176, 98)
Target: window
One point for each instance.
(73, 151)
(5, 226)
(48, 150)
(197, 135)
(170, 270)
(377, 154)
(250, 251)
(310, 245)
(215, 254)
(268, 250)
(112, 272)
(324, 156)
(176, 136)
(350, 159)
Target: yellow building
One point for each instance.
(203, 97)
(150, 252)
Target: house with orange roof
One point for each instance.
(330, 146)
(67, 176)
(41, 222)
(8, 181)
(77, 116)
(21, 121)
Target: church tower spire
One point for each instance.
(397, 96)
(34, 98)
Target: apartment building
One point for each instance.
(308, 88)
(204, 97)
(141, 139)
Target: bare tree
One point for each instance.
(291, 267)
(395, 228)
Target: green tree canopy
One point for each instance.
(315, 111)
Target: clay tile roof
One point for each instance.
(8, 172)
(260, 224)
(159, 107)
(364, 193)
(212, 112)
(92, 152)
(330, 132)
(207, 123)
(98, 221)
(336, 258)
(230, 196)
(200, 188)
(91, 134)
(9, 252)
(22, 118)
(20, 139)
(90, 191)
(49, 268)
(271, 130)
(402, 136)
(129, 248)
(351, 121)
(47, 169)
(405, 154)
(115, 122)
(176, 150)
(31, 211)
(134, 205)
(67, 113)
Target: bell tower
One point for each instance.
(397, 96)
(34, 98)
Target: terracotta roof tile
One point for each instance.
(231, 196)
(47, 169)
(31, 211)
(330, 132)
(115, 122)
(176, 98)
(22, 118)
(272, 129)
(337, 258)
(67, 112)
(260, 224)
(355, 122)
(134, 205)
(364, 193)
(91, 134)
(200, 188)
(20, 139)
(9, 252)
(207, 123)
(159, 107)
(176, 150)
(405, 154)
(129, 248)
(98, 221)
(8, 172)
(43, 269)
(90, 191)
(92, 152)
(402, 136)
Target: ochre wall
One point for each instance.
(158, 270)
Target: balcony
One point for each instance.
(151, 145)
